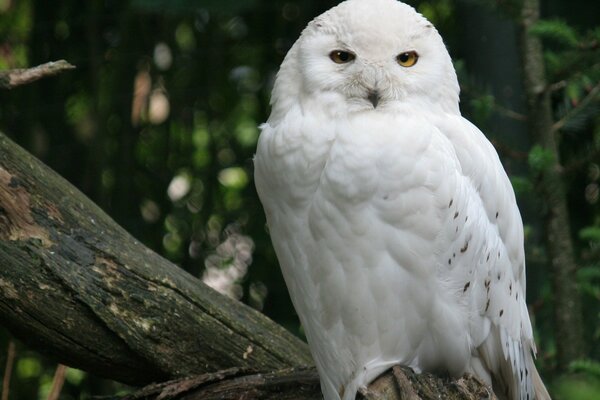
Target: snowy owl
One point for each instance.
(393, 220)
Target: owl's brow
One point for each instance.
(343, 45)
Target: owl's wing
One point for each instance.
(486, 248)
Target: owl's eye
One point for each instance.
(341, 56)
(407, 59)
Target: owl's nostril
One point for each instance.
(374, 97)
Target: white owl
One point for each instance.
(393, 220)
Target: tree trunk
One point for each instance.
(76, 286)
(550, 187)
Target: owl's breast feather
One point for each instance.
(354, 208)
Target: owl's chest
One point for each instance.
(370, 165)
(365, 161)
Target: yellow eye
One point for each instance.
(341, 56)
(408, 58)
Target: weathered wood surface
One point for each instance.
(303, 384)
(75, 285)
(13, 78)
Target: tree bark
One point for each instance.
(550, 187)
(17, 77)
(75, 285)
(401, 383)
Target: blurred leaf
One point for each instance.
(437, 11)
(189, 6)
(540, 159)
(591, 233)
(589, 281)
(556, 30)
(234, 178)
(521, 185)
(577, 387)
(184, 36)
(247, 133)
(29, 367)
(482, 108)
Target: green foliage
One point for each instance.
(581, 383)
(557, 31)
(576, 388)
(15, 32)
(540, 159)
(589, 282)
(588, 367)
(591, 233)
(186, 6)
(437, 12)
(482, 108)
(574, 64)
(521, 185)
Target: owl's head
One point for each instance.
(367, 55)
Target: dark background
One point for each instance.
(158, 125)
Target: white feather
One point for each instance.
(396, 227)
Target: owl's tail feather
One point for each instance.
(540, 389)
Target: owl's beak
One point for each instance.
(374, 97)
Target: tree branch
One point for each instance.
(76, 286)
(16, 77)
(303, 384)
(591, 96)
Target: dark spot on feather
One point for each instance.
(510, 288)
(466, 286)
(496, 214)
(449, 261)
(526, 372)
(450, 204)
(487, 305)
(499, 275)
(517, 296)
(457, 229)
(454, 255)
(466, 218)
(488, 257)
(465, 247)
(386, 197)
(502, 312)
(498, 254)
(455, 215)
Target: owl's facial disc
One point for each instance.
(376, 58)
